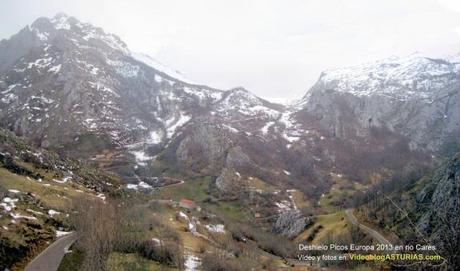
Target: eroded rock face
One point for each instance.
(291, 223)
(442, 196)
(437, 206)
(236, 158)
(203, 147)
(229, 182)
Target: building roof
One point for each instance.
(187, 202)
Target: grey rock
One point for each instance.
(291, 223)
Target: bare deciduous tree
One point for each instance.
(96, 223)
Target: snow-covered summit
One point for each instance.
(84, 34)
(47, 29)
(399, 77)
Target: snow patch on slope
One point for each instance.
(149, 61)
(174, 123)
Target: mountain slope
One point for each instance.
(72, 78)
(423, 211)
(37, 194)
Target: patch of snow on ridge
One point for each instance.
(8, 204)
(60, 21)
(34, 212)
(158, 78)
(181, 214)
(218, 228)
(246, 103)
(204, 93)
(18, 216)
(173, 124)
(283, 206)
(101, 196)
(141, 184)
(286, 119)
(145, 185)
(53, 213)
(259, 109)
(64, 180)
(192, 262)
(10, 87)
(290, 138)
(141, 157)
(230, 128)
(155, 137)
(149, 61)
(62, 233)
(43, 36)
(40, 63)
(132, 186)
(9, 98)
(240, 98)
(267, 126)
(55, 69)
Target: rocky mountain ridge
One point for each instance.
(415, 96)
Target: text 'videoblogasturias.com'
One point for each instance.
(374, 252)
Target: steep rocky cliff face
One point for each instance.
(415, 96)
(422, 211)
(440, 201)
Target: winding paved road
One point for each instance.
(51, 257)
(375, 234)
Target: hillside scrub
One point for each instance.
(95, 222)
(143, 233)
(212, 262)
(117, 226)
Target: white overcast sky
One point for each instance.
(273, 48)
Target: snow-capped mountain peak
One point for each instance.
(400, 77)
(104, 89)
(61, 24)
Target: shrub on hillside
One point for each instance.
(217, 263)
(3, 192)
(164, 252)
